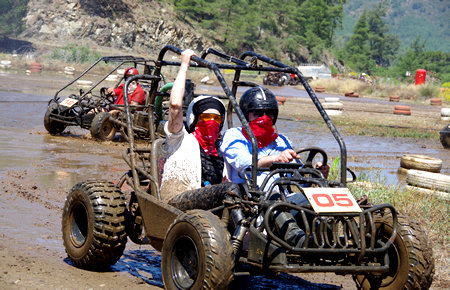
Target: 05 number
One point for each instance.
(336, 199)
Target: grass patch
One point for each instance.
(405, 91)
(378, 130)
(430, 211)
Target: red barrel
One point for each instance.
(421, 75)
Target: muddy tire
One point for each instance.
(53, 127)
(93, 224)
(101, 128)
(134, 222)
(421, 162)
(445, 136)
(197, 253)
(411, 257)
(429, 180)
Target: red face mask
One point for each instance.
(263, 130)
(206, 133)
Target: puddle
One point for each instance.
(23, 141)
(146, 265)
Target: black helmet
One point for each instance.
(199, 105)
(259, 98)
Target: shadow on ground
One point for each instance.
(146, 265)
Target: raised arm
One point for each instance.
(175, 123)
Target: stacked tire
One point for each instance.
(436, 102)
(84, 83)
(445, 114)
(419, 162)
(35, 67)
(402, 110)
(69, 70)
(332, 106)
(5, 64)
(281, 100)
(429, 182)
(319, 89)
(395, 99)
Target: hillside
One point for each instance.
(141, 27)
(408, 19)
(144, 27)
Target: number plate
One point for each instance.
(68, 102)
(328, 200)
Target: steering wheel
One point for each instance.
(104, 94)
(313, 151)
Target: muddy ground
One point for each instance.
(36, 172)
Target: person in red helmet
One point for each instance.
(136, 94)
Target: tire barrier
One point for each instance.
(112, 78)
(319, 89)
(84, 83)
(6, 64)
(35, 67)
(421, 162)
(394, 99)
(445, 114)
(428, 180)
(349, 93)
(445, 136)
(332, 99)
(402, 110)
(281, 100)
(332, 106)
(69, 70)
(436, 102)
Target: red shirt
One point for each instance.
(137, 96)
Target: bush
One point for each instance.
(428, 91)
(76, 54)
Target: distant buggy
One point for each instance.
(88, 107)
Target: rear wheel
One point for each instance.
(93, 224)
(410, 257)
(197, 253)
(52, 126)
(102, 128)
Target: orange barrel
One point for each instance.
(421, 75)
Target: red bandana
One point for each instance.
(206, 133)
(263, 130)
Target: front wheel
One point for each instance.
(52, 126)
(102, 128)
(410, 257)
(197, 253)
(93, 224)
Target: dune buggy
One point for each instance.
(280, 79)
(375, 244)
(88, 107)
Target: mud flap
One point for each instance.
(158, 216)
(263, 252)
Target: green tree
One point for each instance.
(383, 46)
(273, 26)
(371, 45)
(11, 15)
